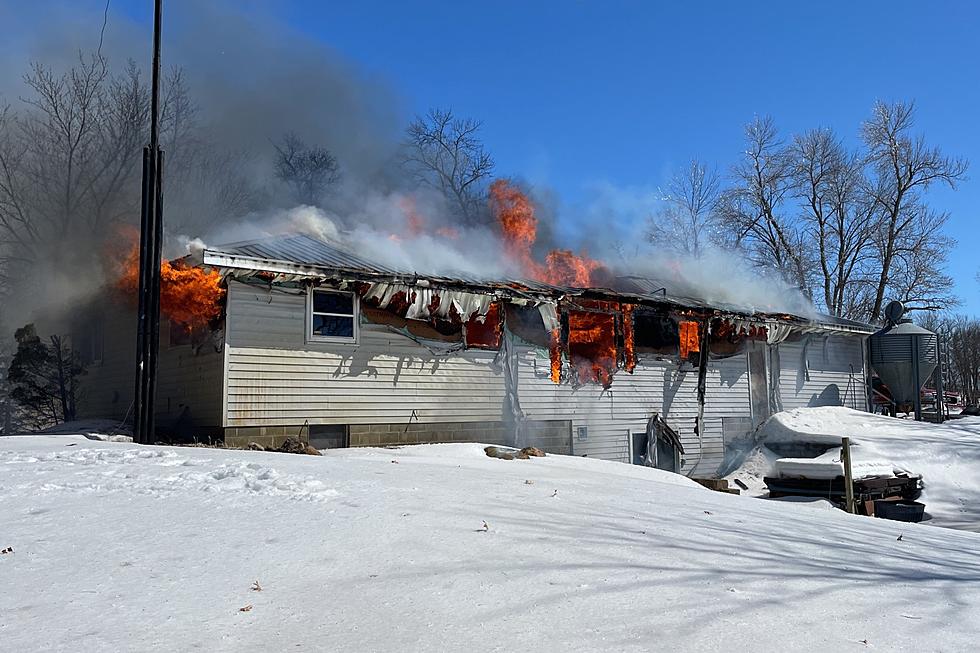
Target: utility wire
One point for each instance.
(105, 21)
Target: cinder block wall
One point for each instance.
(553, 436)
(269, 437)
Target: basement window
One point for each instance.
(331, 316)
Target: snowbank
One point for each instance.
(947, 455)
(93, 429)
(440, 548)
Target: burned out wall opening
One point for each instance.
(592, 350)
(690, 340)
(484, 332)
(655, 333)
(729, 338)
(526, 323)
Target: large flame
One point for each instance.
(592, 346)
(188, 295)
(515, 215)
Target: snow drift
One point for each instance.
(439, 547)
(946, 455)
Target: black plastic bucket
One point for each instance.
(911, 511)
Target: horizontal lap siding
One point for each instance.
(184, 378)
(275, 377)
(654, 386)
(831, 361)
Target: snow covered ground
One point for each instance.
(946, 455)
(440, 548)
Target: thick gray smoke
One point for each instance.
(252, 79)
(249, 80)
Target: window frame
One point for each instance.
(355, 315)
(91, 332)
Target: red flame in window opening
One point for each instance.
(592, 346)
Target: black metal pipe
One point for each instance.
(139, 393)
(155, 76)
(153, 316)
(150, 250)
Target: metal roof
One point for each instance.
(300, 254)
(304, 250)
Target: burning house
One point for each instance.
(297, 336)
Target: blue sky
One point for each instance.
(575, 94)
(579, 95)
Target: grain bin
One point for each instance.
(904, 356)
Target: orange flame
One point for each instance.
(592, 346)
(414, 222)
(515, 214)
(567, 269)
(188, 295)
(485, 334)
(690, 338)
(629, 339)
(554, 351)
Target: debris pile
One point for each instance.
(509, 453)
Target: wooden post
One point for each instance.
(848, 477)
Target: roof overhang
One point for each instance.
(239, 265)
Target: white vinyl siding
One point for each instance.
(822, 370)
(186, 378)
(275, 377)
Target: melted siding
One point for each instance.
(275, 377)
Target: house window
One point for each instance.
(88, 340)
(332, 316)
(181, 334)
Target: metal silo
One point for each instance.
(904, 356)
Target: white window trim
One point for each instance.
(312, 338)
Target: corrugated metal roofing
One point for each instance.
(304, 250)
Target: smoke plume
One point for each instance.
(249, 80)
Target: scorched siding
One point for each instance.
(655, 386)
(275, 377)
(186, 378)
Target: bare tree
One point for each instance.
(69, 164)
(838, 219)
(309, 171)
(903, 167)
(70, 168)
(962, 336)
(754, 209)
(445, 152)
(688, 221)
(917, 276)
